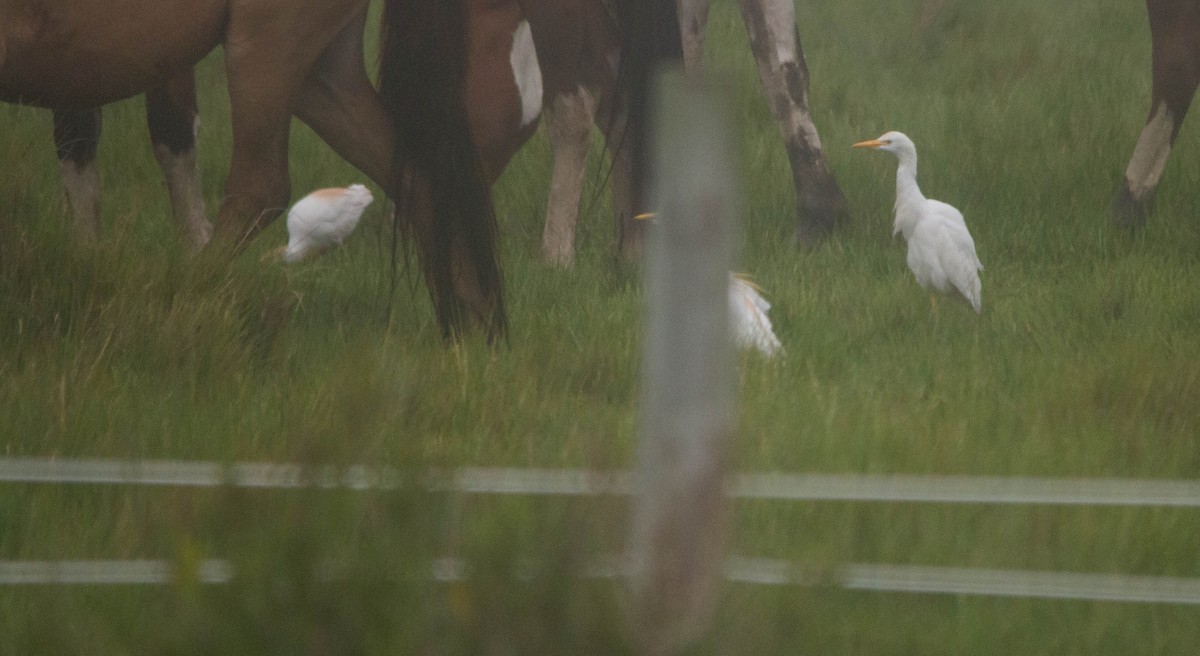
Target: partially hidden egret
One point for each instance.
(322, 219)
(750, 326)
(748, 314)
(941, 252)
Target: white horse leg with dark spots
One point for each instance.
(775, 41)
(569, 120)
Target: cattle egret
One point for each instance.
(748, 314)
(749, 323)
(322, 219)
(941, 253)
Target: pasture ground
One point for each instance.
(1085, 363)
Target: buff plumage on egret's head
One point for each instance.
(941, 252)
(321, 220)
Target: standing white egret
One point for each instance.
(941, 252)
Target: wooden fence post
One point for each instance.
(676, 549)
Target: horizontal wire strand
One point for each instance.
(575, 482)
(754, 571)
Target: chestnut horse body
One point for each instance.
(282, 59)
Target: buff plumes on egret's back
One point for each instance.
(941, 252)
(748, 314)
(322, 219)
(748, 320)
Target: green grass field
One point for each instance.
(1085, 363)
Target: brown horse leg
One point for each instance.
(1175, 34)
(775, 40)
(649, 37)
(258, 188)
(173, 120)
(612, 117)
(76, 137)
(569, 122)
(339, 103)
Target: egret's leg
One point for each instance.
(933, 304)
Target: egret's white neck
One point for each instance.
(909, 198)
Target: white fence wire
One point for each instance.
(574, 482)
(559, 482)
(755, 571)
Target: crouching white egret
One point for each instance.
(748, 314)
(322, 219)
(749, 323)
(941, 252)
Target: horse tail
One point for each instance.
(649, 36)
(422, 72)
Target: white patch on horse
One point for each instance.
(82, 187)
(1150, 155)
(527, 73)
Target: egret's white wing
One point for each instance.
(305, 222)
(351, 205)
(955, 252)
(323, 219)
(937, 208)
(748, 314)
(953, 219)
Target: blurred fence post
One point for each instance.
(676, 548)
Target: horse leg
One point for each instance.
(693, 18)
(649, 36)
(76, 137)
(258, 188)
(173, 121)
(612, 117)
(1175, 57)
(775, 40)
(340, 104)
(568, 121)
